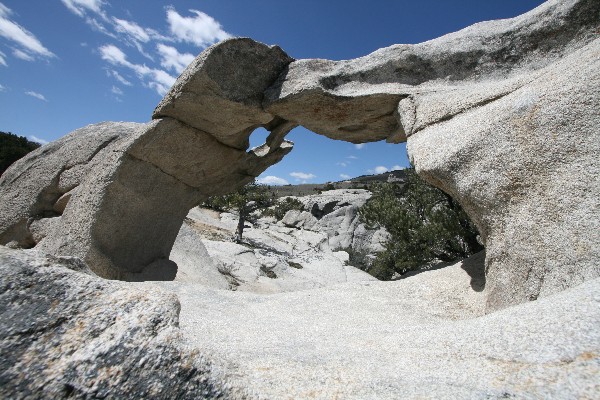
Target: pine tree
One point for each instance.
(245, 202)
(12, 148)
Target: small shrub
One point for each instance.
(424, 223)
(282, 207)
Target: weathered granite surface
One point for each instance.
(66, 333)
(503, 115)
(425, 336)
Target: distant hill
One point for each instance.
(360, 182)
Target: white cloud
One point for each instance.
(36, 95)
(26, 40)
(22, 55)
(38, 140)
(131, 29)
(114, 55)
(98, 26)
(397, 168)
(359, 146)
(117, 91)
(342, 164)
(117, 76)
(302, 176)
(378, 170)
(173, 59)
(352, 157)
(201, 29)
(159, 80)
(2, 88)
(345, 176)
(272, 180)
(2, 55)
(82, 7)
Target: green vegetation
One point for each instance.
(425, 224)
(281, 207)
(328, 186)
(244, 202)
(13, 147)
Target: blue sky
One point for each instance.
(68, 63)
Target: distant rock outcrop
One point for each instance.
(335, 213)
(273, 258)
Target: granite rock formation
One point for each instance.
(490, 113)
(272, 258)
(503, 115)
(65, 333)
(130, 186)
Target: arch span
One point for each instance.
(502, 115)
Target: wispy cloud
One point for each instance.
(352, 157)
(196, 28)
(2, 88)
(158, 80)
(345, 176)
(30, 46)
(38, 140)
(22, 55)
(397, 168)
(132, 30)
(272, 180)
(118, 77)
(359, 146)
(2, 59)
(342, 164)
(83, 7)
(36, 95)
(173, 59)
(99, 27)
(117, 91)
(200, 29)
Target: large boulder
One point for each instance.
(65, 333)
(122, 190)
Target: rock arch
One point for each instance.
(502, 115)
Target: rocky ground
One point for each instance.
(305, 250)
